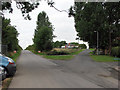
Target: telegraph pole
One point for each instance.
(0, 34)
(97, 42)
(1, 27)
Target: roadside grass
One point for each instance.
(15, 56)
(77, 52)
(104, 58)
(72, 54)
(92, 49)
(7, 81)
(91, 53)
(58, 57)
(42, 53)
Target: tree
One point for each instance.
(25, 7)
(30, 47)
(9, 35)
(58, 44)
(102, 17)
(43, 36)
(74, 43)
(112, 11)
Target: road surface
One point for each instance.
(33, 71)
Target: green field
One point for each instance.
(104, 58)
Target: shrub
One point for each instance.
(55, 52)
(115, 51)
(82, 46)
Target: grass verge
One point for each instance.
(15, 55)
(92, 49)
(77, 52)
(7, 81)
(104, 58)
(58, 57)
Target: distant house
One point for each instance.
(69, 46)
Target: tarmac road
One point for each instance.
(99, 73)
(33, 71)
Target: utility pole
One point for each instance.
(0, 34)
(97, 42)
(1, 27)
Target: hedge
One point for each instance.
(55, 52)
(115, 51)
(82, 46)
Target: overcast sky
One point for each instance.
(64, 26)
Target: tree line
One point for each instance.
(9, 37)
(101, 17)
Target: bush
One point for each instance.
(55, 52)
(115, 51)
(82, 46)
(30, 47)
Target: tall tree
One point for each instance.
(102, 17)
(43, 36)
(9, 35)
(58, 44)
(112, 11)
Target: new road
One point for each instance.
(33, 71)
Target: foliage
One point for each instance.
(116, 42)
(115, 51)
(63, 54)
(58, 44)
(43, 36)
(59, 54)
(82, 46)
(64, 51)
(74, 43)
(30, 47)
(15, 56)
(25, 7)
(9, 36)
(55, 52)
(103, 17)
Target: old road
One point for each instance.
(33, 71)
